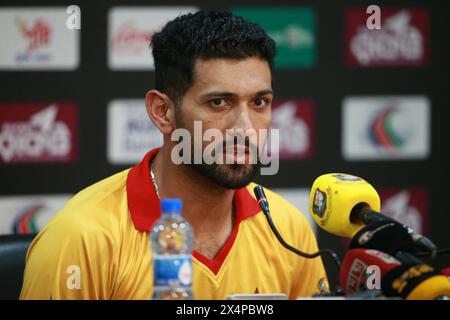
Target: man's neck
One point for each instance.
(206, 206)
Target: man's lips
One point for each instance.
(237, 150)
(237, 154)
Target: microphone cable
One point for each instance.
(438, 253)
(264, 205)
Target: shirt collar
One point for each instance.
(144, 204)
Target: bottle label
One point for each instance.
(172, 270)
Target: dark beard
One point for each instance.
(229, 176)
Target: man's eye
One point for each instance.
(218, 102)
(260, 102)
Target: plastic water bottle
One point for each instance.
(172, 244)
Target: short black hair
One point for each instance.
(204, 35)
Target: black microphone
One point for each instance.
(261, 197)
(387, 236)
(264, 205)
(362, 213)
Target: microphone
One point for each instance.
(368, 216)
(390, 237)
(261, 197)
(264, 205)
(342, 204)
(366, 270)
(363, 269)
(417, 282)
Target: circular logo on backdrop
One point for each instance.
(25, 223)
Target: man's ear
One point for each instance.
(160, 109)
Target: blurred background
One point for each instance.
(355, 93)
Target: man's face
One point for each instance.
(230, 94)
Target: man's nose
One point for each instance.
(242, 118)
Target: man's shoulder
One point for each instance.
(102, 191)
(100, 202)
(90, 221)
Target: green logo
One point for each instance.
(293, 30)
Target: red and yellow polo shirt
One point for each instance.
(97, 247)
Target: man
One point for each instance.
(214, 68)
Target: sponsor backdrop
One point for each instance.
(370, 102)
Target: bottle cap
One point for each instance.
(171, 205)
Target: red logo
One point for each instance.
(401, 41)
(38, 133)
(408, 206)
(356, 276)
(38, 35)
(130, 39)
(296, 121)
